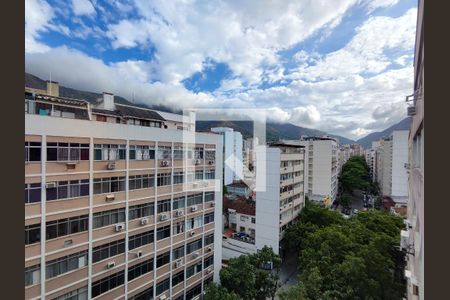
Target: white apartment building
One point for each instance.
(322, 170)
(280, 187)
(233, 156)
(384, 166)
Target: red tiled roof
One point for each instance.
(241, 205)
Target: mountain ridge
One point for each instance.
(366, 141)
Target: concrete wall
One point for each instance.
(268, 198)
(399, 159)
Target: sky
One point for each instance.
(341, 66)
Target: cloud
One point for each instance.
(82, 7)
(308, 115)
(38, 14)
(359, 132)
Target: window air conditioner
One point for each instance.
(178, 263)
(111, 166)
(163, 217)
(139, 253)
(211, 162)
(192, 233)
(209, 270)
(119, 227)
(179, 213)
(144, 221)
(196, 162)
(209, 249)
(50, 185)
(411, 110)
(163, 297)
(109, 197)
(213, 204)
(196, 254)
(111, 265)
(194, 208)
(164, 163)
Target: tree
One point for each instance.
(296, 292)
(216, 292)
(346, 201)
(250, 277)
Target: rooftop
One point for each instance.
(241, 205)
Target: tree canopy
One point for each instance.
(355, 174)
(356, 258)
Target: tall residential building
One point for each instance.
(414, 235)
(120, 201)
(233, 157)
(280, 187)
(321, 167)
(384, 166)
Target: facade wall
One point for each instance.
(48, 129)
(399, 159)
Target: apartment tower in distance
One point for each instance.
(413, 236)
(120, 201)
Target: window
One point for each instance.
(100, 118)
(140, 269)
(32, 234)
(108, 250)
(163, 179)
(109, 152)
(193, 246)
(209, 239)
(178, 252)
(67, 151)
(177, 278)
(178, 177)
(66, 264)
(178, 227)
(105, 218)
(108, 283)
(253, 220)
(178, 153)
(193, 223)
(194, 292)
(163, 206)
(68, 189)
(164, 152)
(109, 185)
(198, 153)
(210, 154)
(141, 239)
(33, 275)
(178, 203)
(208, 261)
(144, 295)
(162, 259)
(63, 227)
(163, 232)
(209, 196)
(243, 218)
(32, 151)
(141, 210)
(78, 294)
(209, 218)
(210, 174)
(141, 181)
(194, 269)
(163, 286)
(32, 192)
(199, 175)
(241, 229)
(190, 176)
(194, 199)
(138, 152)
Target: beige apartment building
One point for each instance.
(120, 201)
(413, 236)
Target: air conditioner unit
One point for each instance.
(192, 233)
(196, 254)
(411, 110)
(195, 185)
(119, 227)
(196, 162)
(179, 213)
(110, 197)
(71, 165)
(407, 165)
(139, 253)
(144, 221)
(404, 239)
(178, 263)
(209, 249)
(111, 265)
(213, 204)
(164, 163)
(209, 270)
(163, 297)
(163, 217)
(211, 162)
(111, 166)
(50, 185)
(194, 208)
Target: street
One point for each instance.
(288, 272)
